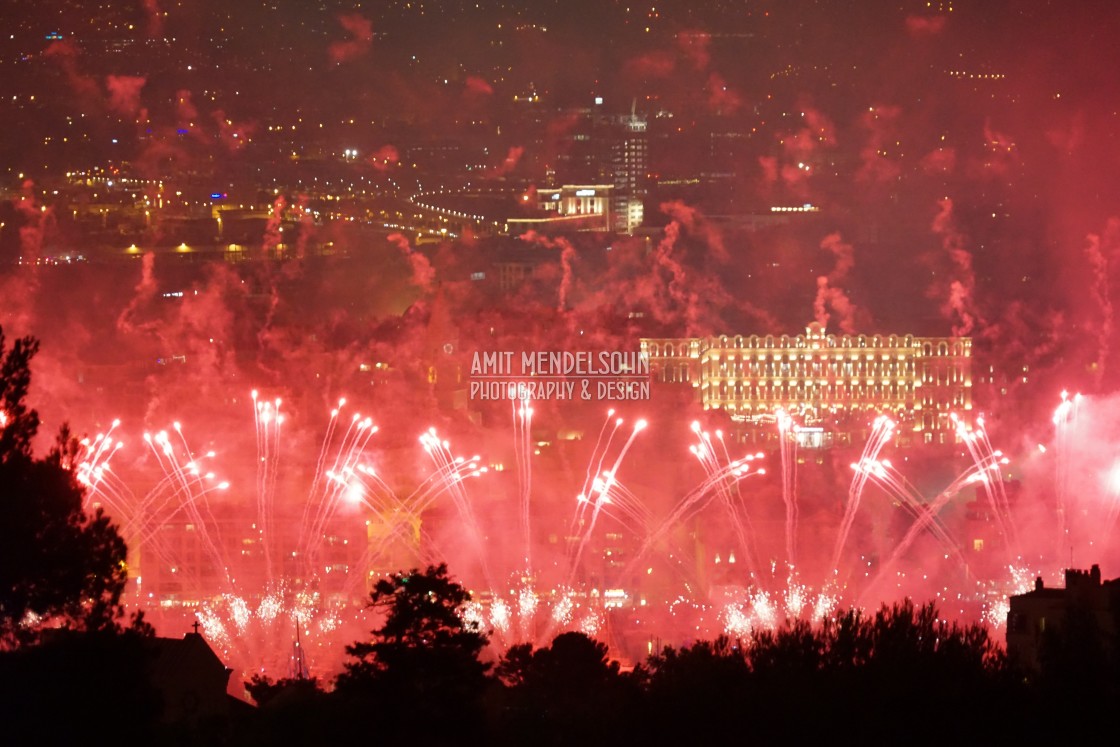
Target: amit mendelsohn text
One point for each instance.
(500, 364)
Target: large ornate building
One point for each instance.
(828, 383)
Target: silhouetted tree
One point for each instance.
(265, 690)
(567, 693)
(294, 710)
(73, 683)
(903, 665)
(705, 685)
(859, 676)
(422, 665)
(57, 563)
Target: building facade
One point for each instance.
(824, 380)
(1086, 606)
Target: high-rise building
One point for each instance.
(608, 149)
(629, 167)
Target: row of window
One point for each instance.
(921, 346)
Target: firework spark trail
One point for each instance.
(1065, 420)
(337, 481)
(1107, 530)
(567, 254)
(788, 444)
(726, 483)
(592, 473)
(926, 515)
(318, 475)
(881, 433)
(522, 436)
(194, 469)
(103, 485)
(452, 477)
(883, 473)
(604, 496)
(631, 511)
(267, 421)
(143, 515)
(95, 471)
(185, 493)
(695, 499)
(988, 460)
(1102, 295)
(767, 610)
(246, 627)
(447, 476)
(94, 467)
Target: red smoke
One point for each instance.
(185, 110)
(155, 18)
(124, 93)
(925, 25)
(384, 158)
(230, 134)
(274, 228)
(693, 220)
(800, 149)
(959, 306)
(877, 155)
(721, 98)
(940, 161)
(361, 36)
(66, 54)
(567, 255)
(1097, 250)
(422, 271)
(513, 155)
(653, 65)
(830, 296)
(33, 230)
(145, 292)
(694, 46)
(1001, 152)
(478, 86)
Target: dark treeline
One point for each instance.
(72, 666)
(899, 674)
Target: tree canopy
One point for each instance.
(59, 565)
(423, 658)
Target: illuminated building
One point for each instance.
(611, 149)
(629, 164)
(571, 207)
(825, 381)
